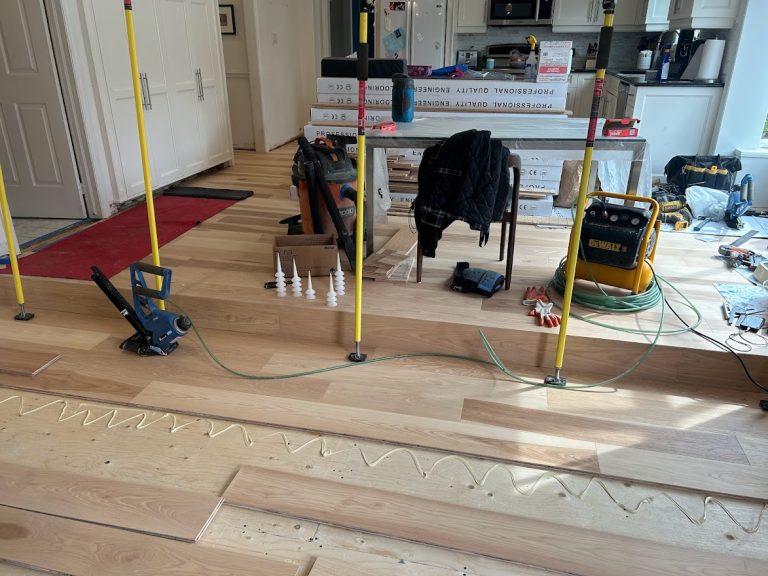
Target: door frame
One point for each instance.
(80, 94)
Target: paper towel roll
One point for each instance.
(711, 57)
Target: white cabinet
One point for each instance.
(653, 15)
(581, 87)
(703, 13)
(631, 15)
(577, 16)
(610, 96)
(183, 93)
(675, 120)
(472, 16)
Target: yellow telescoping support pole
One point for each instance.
(366, 6)
(128, 5)
(606, 33)
(7, 225)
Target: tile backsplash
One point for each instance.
(623, 46)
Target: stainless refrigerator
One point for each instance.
(412, 29)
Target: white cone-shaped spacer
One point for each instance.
(310, 291)
(339, 274)
(296, 281)
(331, 299)
(279, 273)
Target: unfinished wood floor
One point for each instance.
(428, 427)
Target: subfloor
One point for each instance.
(671, 458)
(30, 231)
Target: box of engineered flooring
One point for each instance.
(315, 253)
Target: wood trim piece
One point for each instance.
(503, 536)
(467, 438)
(25, 362)
(698, 444)
(150, 509)
(65, 546)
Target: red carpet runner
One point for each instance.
(113, 244)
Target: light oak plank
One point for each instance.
(42, 335)
(707, 445)
(154, 510)
(475, 439)
(25, 362)
(713, 477)
(66, 546)
(503, 536)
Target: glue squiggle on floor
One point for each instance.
(141, 419)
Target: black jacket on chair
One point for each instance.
(465, 178)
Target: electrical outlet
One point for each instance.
(274, 39)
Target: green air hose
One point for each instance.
(599, 300)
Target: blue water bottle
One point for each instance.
(403, 98)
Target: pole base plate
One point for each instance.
(555, 381)
(24, 317)
(357, 357)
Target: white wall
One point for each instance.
(238, 80)
(282, 36)
(741, 119)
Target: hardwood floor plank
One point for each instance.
(475, 439)
(25, 362)
(744, 480)
(371, 565)
(42, 335)
(158, 511)
(65, 546)
(707, 445)
(531, 542)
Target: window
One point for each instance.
(764, 141)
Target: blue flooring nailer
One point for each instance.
(157, 331)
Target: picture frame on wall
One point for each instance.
(227, 19)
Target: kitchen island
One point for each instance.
(621, 162)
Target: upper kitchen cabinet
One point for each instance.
(577, 16)
(703, 13)
(631, 15)
(653, 15)
(472, 16)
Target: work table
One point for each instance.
(621, 162)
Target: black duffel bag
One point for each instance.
(717, 172)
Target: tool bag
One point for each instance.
(717, 171)
(339, 170)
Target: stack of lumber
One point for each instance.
(394, 260)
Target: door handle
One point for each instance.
(143, 91)
(200, 90)
(149, 94)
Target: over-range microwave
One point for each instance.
(520, 12)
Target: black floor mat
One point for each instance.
(213, 193)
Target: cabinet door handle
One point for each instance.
(143, 93)
(149, 93)
(597, 10)
(590, 12)
(200, 89)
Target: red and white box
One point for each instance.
(555, 61)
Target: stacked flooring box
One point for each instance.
(335, 113)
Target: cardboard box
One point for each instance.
(554, 61)
(535, 206)
(314, 253)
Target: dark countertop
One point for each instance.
(630, 77)
(622, 74)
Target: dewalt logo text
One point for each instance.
(603, 245)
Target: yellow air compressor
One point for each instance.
(618, 242)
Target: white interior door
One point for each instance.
(204, 28)
(183, 87)
(35, 146)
